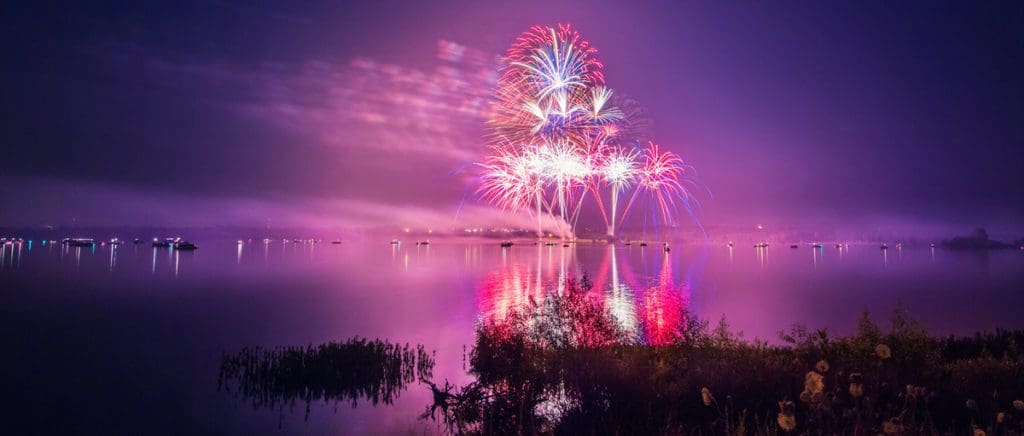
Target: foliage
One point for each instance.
(540, 373)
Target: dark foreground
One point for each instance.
(563, 366)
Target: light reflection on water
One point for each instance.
(131, 311)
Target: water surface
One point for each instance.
(129, 339)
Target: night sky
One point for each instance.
(350, 114)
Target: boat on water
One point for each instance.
(506, 243)
(185, 245)
(395, 242)
(884, 247)
(336, 241)
(549, 244)
(817, 246)
(136, 241)
(163, 243)
(422, 242)
(643, 244)
(115, 241)
(794, 246)
(565, 245)
(80, 242)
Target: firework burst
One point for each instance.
(560, 136)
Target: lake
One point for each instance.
(129, 339)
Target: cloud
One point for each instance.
(362, 104)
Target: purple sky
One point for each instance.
(342, 114)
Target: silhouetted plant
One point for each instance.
(358, 369)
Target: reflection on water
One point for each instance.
(646, 306)
(376, 371)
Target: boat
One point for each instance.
(185, 245)
(136, 241)
(395, 242)
(162, 243)
(336, 241)
(794, 246)
(839, 245)
(565, 245)
(730, 244)
(884, 247)
(422, 242)
(817, 246)
(115, 241)
(643, 244)
(506, 243)
(549, 244)
(667, 249)
(81, 242)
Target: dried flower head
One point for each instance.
(814, 382)
(971, 405)
(883, 351)
(821, 366)
(705, 395)
(1018, 404)
(892, 426)
(856, 390)
(787, 422)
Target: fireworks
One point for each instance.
(560, 137)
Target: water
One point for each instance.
(129, 339)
